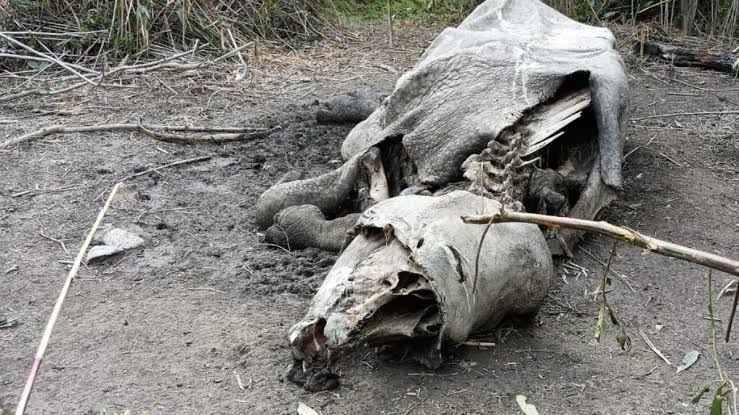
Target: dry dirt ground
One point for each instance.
(168, 328)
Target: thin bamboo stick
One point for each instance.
(20, 410)
(633, 237)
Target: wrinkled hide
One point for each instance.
(410, 274)
(516, 88)
(353, 107)
(480, 78)
(518, 106)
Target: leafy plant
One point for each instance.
(714, 16)
(606, 309)
(725, 395)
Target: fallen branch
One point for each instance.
(688, 57)
(70, 67)
(633, 237)
(654, 349)
(164, 63)
(238, 134)
(58, 305)
(207, 139)
(156, 169)
(685, 114)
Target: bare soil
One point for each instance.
(174, 326)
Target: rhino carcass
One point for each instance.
(519, 105)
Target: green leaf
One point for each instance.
(601, 322)
(37, 65)
(716, 406)
(527, 408)
(700, 394)
(688, 360)
(6, 323)
(614, 317)
(624, 340)
(718, 401)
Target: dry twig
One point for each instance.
(58, 305)
(633, 237)
(156, 169)
(475, 343)
(640, 147)
(654, 349)
(685, 114)
(51, 59)
(237, 133)
(623, 278)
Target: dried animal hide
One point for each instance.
(409, 274)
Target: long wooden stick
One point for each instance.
(686, 114)
(20, 410)
(207, 139)
(48, 58)
(633, 237)
(245, 133)
(391, 37)
(164, 63)
(176, 163)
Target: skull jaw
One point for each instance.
(406, 281)
(386, 299)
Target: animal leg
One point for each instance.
(329, 192)
(303, 226)
(298, 226)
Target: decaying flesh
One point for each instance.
(519, 107)
(409, 276)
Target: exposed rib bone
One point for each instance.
(553, 117)
(538, 146)
(550, 129)
(378, 187)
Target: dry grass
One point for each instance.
(142, 26)
(160, 27)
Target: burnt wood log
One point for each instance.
(688, 57)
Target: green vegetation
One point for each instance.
(710, 16)
(437, 10)
(135, 26)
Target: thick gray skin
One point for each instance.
(472, 83)
(475, 80)
(327, 192)
(425, 236)
(351, 108)
(305, 226)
